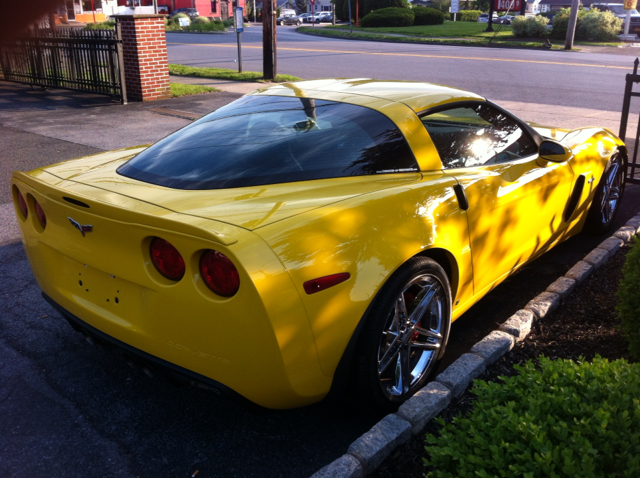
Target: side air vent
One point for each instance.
(75, 202)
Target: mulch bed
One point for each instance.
(585, 325)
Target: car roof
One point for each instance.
(416, 95)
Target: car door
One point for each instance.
(515, 199)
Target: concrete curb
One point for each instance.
(372, 448)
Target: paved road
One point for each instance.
(577, 79)
(70, 410)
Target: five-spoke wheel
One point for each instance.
(608, 195)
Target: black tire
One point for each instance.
(607, 199)
(397, 354)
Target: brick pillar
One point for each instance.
(146, 68)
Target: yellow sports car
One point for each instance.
(310, 236)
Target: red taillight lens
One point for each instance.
(42, 219)
(322, 283)
(219, 273)
(22, 204)
(167, 259)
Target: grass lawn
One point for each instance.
(225, 74)
(446, 30)
(179, 89)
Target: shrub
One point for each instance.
(389, 17)
(370, 5)
(599, 26)
(565, 420)
(469, 15)
(530, 27)
(108, 25)
(200, 21)
(629, 300)
(215, 26)
(427, 16)
(592, 25)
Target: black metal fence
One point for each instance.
(84, 60)
(633, 169)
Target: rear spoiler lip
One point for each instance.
(128, 215)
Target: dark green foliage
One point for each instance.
(345, 9)
(469, 15)
(389, 17)
(370, 5)
(592, 25)
(567, 419)
(629, 300)
(427, 16)
(301, 5)
(108, 25)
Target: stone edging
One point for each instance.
(371, 449)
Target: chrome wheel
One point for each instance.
(612, 190)
(413, 334)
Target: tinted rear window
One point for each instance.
(269, 139)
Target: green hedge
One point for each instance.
(592, 25)
(629, 300)
(530, 27)
(370, 5)
(564, 419)
(389, 17)
(427, 16)
(468, 15)
(108, 25)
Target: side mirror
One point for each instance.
(554, 151)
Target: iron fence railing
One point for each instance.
(633, 168)
(84, 60)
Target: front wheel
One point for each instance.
(607, 199)
(282, 23)
(298, 24)
(406, 335)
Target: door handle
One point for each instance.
(461, 196)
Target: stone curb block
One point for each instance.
(563, 287)
(543, 304)
(611, 245)
(634, 222)
(519, 324)
(375, 445)
(625, 233)
(597, 257)
(494, 346)
(579, 272)
(346, 466)
(425, 405)
(460, 373)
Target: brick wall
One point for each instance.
(144, 48)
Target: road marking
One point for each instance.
(449, 57)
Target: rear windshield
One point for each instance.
(270, 139)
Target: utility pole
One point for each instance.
(269, 62)
(571, 27)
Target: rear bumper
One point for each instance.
(152, 363)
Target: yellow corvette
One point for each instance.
(310, 236)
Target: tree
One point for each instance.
(301, 5)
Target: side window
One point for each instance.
(474, 135)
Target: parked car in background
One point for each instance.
(484, 18)
(288, 20)
(326, 17)
(303, 17)
(506, 19)
(293, 243)
(191, 12)
(314, 18)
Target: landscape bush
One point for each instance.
(427, 16)
(200, 21)
(370, 5)
(389, 17)
(592, 25)
(629, 300)
(108, 25)
(530, 27)
(468, 15)
(558, 419)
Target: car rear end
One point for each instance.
(102, 259)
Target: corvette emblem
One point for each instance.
(81, 227)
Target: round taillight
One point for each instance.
(167, 259)
(219, 273)
(42, 219)
(22, 204)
